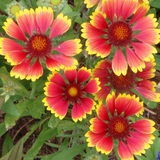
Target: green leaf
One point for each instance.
(36, 107)
(2, 129)
(157, 59)
(17, 151)
(46, 133)
(7, 79)
(10, 108)
(53, 122)
(68, 153)
(10, 120)
(7, 144)
(155, 3)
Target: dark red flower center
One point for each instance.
(123, 83)
(118, 127)
(73, 92)
(119, 33)
(39, 46)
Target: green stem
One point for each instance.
(33, 90)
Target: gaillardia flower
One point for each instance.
(71, 90)
(126, 84)
(113, 123)
(124, 27)
(31, 45)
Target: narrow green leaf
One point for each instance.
(17, 151)
(2, 129)
(7, 144)
(157, 59)
(44, 135)
(68, 153)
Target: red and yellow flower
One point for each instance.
(71, 90)
(113, 123)
(124, 27)
(126, 84)
(31, 45)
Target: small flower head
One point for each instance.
(139, 81)
(70, 91)
(125, 27)
(33, 43)
(113, 123)
(13, 8)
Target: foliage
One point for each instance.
(23, 98)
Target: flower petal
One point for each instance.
(65, 60)
(8, 46)
(35, 71)
(102, 112)
(144, 51)
(52, 89)
(97, 125)
(60, 109)
(105, 145)
(110, 101)
(52, 64)
(16, 57)
(44, 18)
(119, 63)
(150, 36)
(103, 92)
(93, 138)
(89, 31)
(87, 104)
(21, 70)
(135, 62)
(69, 48)
(51, 101)
(70, 74)
(78, 112)
(118, 9)
(136, 145)
(134, 107)
(141, 11)
(147, 22)
(98, 20)
(13, 30)
(150, 95)
(109, 8)
(92, 86)
(26, 21)
(60, 25)
(121, 103)
(83, 74)
(57, 78)
(98, 46)
(144, 126)
(90, 3)
(128, 8)
(124, 152)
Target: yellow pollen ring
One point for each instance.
(39, 43)
(73, 91)
(119, 127)
(121, 32)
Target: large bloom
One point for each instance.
(133, 137)
(126, 29)
(71, 90)
(31, 45)
(126, 84)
